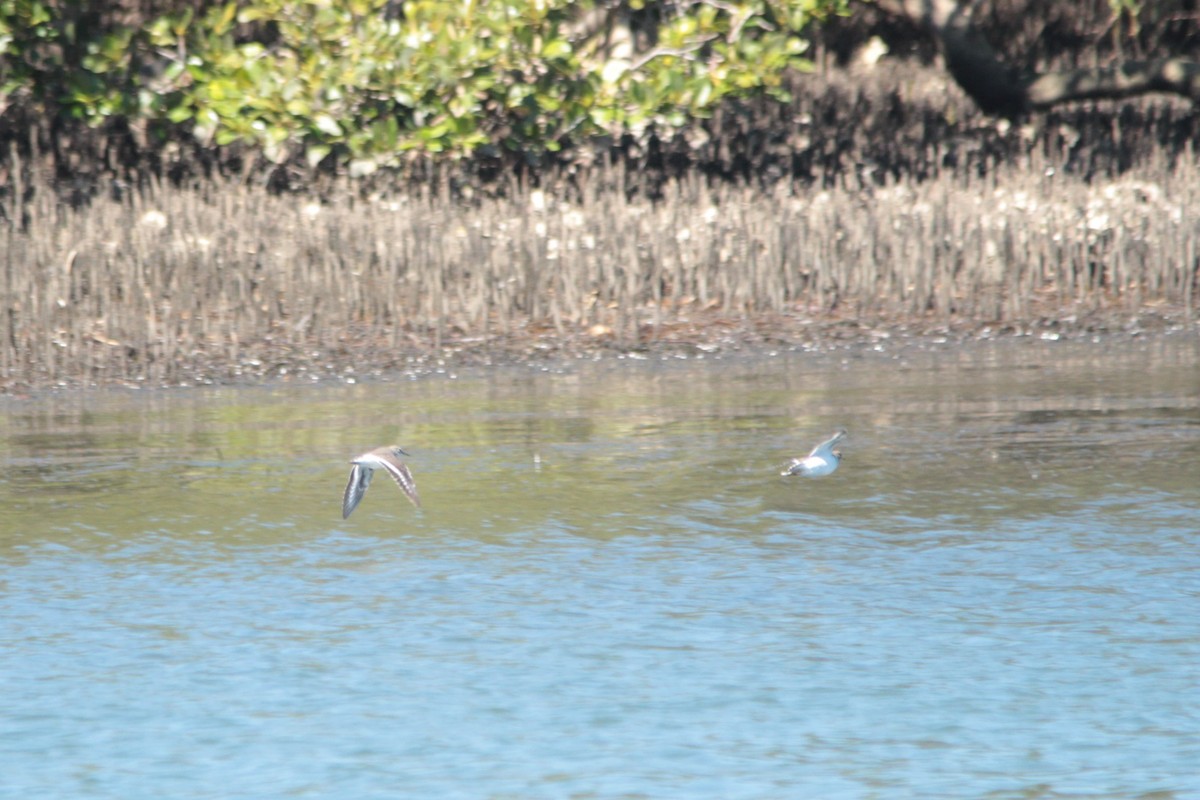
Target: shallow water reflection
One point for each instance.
(610, 592)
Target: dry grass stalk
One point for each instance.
(147, 290)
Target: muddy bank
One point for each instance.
(704, 335)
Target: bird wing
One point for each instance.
(360, 479)
(823, 449)
(403, 477)
(827, 445)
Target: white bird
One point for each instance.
(823, 459)
(364, 468)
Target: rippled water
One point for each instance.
(609, 592)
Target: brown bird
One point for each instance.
(364, 468)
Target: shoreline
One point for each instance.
(365, 360)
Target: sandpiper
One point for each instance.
(364, 467)
(821, 461)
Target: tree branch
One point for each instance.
(1174, 76)
(998, 89)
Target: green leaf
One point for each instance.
(314, 154)
(327, 125)
(179, 114)
(556, 48)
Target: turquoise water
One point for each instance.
(609, 592)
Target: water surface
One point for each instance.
(609, 591)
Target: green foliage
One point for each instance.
(26, 33)
(320, 79)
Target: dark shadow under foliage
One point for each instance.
(847, 125)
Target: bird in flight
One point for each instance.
(387, 458)
(821, 461)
